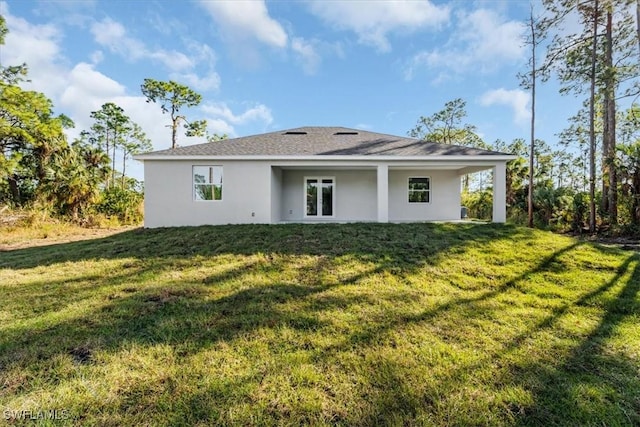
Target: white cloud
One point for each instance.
(206, 83)
(220, 109)
(490, 37)
(220, 127)
(85, 80)
(38, 47)
(482, 41)
(517, 99)
(112, 35)
(373, 21)
(222, 119)
(164, 24)
(87, 89)
(200, 53)
(79, 89)
(307, 54)
(247, 26)
(418, 61)
(243, 19)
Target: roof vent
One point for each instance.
(295, 133)
(346, 133)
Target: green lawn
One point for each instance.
(355, 324)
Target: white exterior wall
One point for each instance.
(355, 194)
(444, 204)
(383, 192)
(500, 192)
(254, 191)
(169, 201)
(276, 194)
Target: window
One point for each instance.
(419, 189)
(207, 182)
(319, 197)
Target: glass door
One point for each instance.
(319, 197)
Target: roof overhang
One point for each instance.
(275, 160)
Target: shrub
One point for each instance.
(123, 204)
(479, 204)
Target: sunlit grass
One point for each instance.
(358, 324)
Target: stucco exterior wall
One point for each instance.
(257, 192)
(169, 201)
(276, 194)
(444, 202)
(355, 194)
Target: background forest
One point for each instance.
(587, 181)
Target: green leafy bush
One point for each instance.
(123, 204)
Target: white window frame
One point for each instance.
(333, 197)
(193, 183)
(429, 192)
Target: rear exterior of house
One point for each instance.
(313, 174)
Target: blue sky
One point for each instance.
(264, 66)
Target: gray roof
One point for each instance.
(323, 141)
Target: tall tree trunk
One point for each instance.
(592, 133)
(533, 119)
(124, 165)
(106, 150)
(610, 122)
(606, 142)
(606, 110)
(174, 126)
(638, 22)
(113, 164)
(174, 134)
(14, 189)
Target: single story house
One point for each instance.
(313, 174)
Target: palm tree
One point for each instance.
(73, 178)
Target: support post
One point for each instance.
(383, 193)
(500, 192)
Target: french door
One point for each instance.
(319, 196)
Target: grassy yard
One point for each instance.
(355, 324)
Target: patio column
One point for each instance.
(500, 192)
(383, 193)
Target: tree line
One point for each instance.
(591, 181)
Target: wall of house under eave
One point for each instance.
(444, 202)
(276, 194)
(169, 201)
(355, 194)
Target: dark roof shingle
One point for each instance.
(322, 141)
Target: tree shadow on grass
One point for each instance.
(406, 242)
(594, 385)
(371, 335)
(183, 315)
(150, 254)
(181, 311)
(562, 392)
(395, 402)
